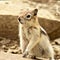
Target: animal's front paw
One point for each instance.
(25, 54)
(32, 56)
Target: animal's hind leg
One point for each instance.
(47, 47)
(49, 51)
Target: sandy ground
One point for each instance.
(9, 56)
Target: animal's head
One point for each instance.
(28, 16)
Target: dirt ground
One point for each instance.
(9, 56)
(9, 42)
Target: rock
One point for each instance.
(14, 47)
(56, 49)
(9, 27)
(14, 51)
(57, 41)
(4, 41)
(9, 23)
(51, 26)
(44, 1)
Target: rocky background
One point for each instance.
(49, 19)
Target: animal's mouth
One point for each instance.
(21, 22)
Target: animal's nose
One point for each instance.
(19, 19)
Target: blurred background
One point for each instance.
(49, 19)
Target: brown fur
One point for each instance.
(33, 38)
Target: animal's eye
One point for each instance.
(28, 16)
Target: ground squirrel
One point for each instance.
(34, 40)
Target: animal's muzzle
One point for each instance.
(20, 21)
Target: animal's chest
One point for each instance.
(27, 33)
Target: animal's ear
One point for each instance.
(35, 12)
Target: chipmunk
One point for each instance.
(34, 40)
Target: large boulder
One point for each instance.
(9, 27)
(43, 1)
(51, 26)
